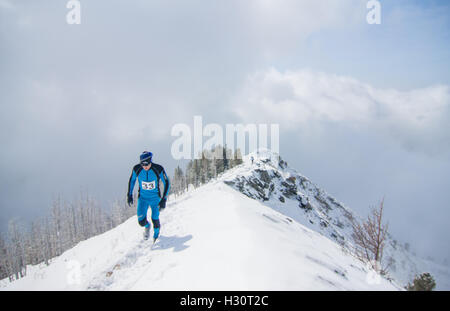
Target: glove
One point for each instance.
(162, 204)
(130, 200)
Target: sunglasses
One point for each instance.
(145, 163)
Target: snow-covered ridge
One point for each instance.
(213, 238)
(272, 181)
(250, 236)
(266, 177)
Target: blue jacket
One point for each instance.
(153, 184)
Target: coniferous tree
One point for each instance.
(212, 170)
(197, 172)
(189, 174)
(178, 184)
(206, 162)
(423, 282)
(220, 168)
(225, 159)
(238, 157)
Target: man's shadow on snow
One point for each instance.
(175, 242)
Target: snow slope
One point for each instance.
(213, 238)
(270, 180)
(260, 226)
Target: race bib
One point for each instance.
(148, 185)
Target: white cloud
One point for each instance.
(307, 15)
(5, 4)
(298, 100)
(277, 26)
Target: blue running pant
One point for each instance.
(142, 208)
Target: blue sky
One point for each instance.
(408, 50)
(82, 101)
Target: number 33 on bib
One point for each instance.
(148, 185)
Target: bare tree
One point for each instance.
(16, 251)
(4, 264)
(369, 237)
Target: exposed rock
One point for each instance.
(291, 180)
(303, 182)
(271, 189)
(264, 175)
(289, 190)
(339, 224)
(266, 161)
(259, 186)
(304, 203)
(307, 207)
(322, 201)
